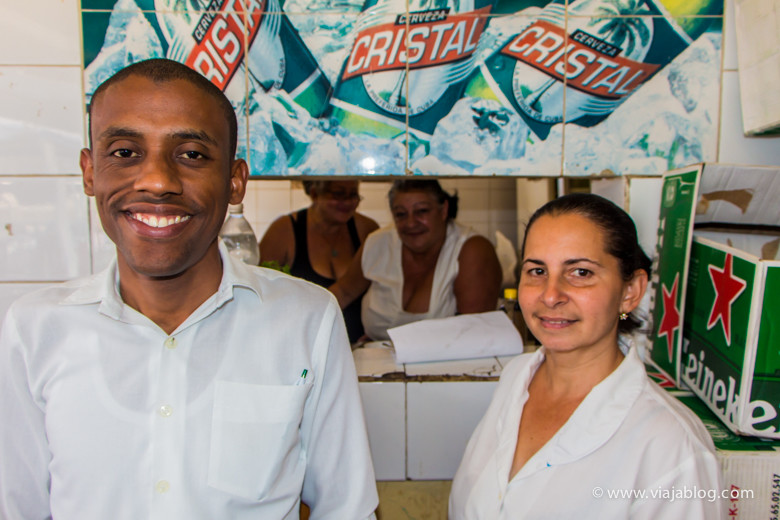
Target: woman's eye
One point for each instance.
(124, 153)
(399, 216)
(536, 271)
(582, 273)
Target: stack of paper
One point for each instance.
(465, 336)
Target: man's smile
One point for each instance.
(159, 221)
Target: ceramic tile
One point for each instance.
(298, 197)
(111, 40)
(296, 8)
(474, 205)
(41, 129)
(375, 202)
(483, 133)
(35, 34)
(666, 122)
(735, 147)
(44, 235)
(730, 61)
(644, 205)
(502, 192)
(272, 203)
(440, 420)
(383, 405)
(614, 189)
(191, 8)
(630, 8)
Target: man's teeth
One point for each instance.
(161, 222)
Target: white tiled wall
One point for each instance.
(384, 405)
(440, 419)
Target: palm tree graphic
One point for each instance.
(620, 23)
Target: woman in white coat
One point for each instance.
(577, 429)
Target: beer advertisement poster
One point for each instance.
(474, 87)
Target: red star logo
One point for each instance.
(670, 320)
(660, 379)
(727, 289)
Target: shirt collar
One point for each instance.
(103, 288)
(601, 413)
(595, 420)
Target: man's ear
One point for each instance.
(633, 291)
(239, 175)
(87, 170)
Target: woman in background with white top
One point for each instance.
(425, 266)
(579, 419)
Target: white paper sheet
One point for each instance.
(465, 336)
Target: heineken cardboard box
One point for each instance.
(750, 465)
(716, 316)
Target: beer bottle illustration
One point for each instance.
(217, 37)
(409, 67)
(598, 57)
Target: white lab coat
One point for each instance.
(627, 434)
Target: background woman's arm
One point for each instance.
(478, 284)
(278, 242)
(352, 284)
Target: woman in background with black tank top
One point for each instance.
(318, 242)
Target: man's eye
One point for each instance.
(193, 155)
(124, 153)
(399, 216)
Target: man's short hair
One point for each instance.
(161, 70)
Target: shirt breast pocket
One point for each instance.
(255, 440)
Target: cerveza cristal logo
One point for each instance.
(428, 45)
(589, 64)
(220, 38)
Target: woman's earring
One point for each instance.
(623, 316)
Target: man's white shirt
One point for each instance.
(248, 407)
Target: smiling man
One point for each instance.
(178, 383)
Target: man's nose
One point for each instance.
(158, 175)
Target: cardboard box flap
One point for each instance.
(743, 195)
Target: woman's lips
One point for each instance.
(555, 323)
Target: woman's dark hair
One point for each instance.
(620, 237)
(311, 187)
(429, 186)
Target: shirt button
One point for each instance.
(162, 486)
(165, 410)
(170, 343)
